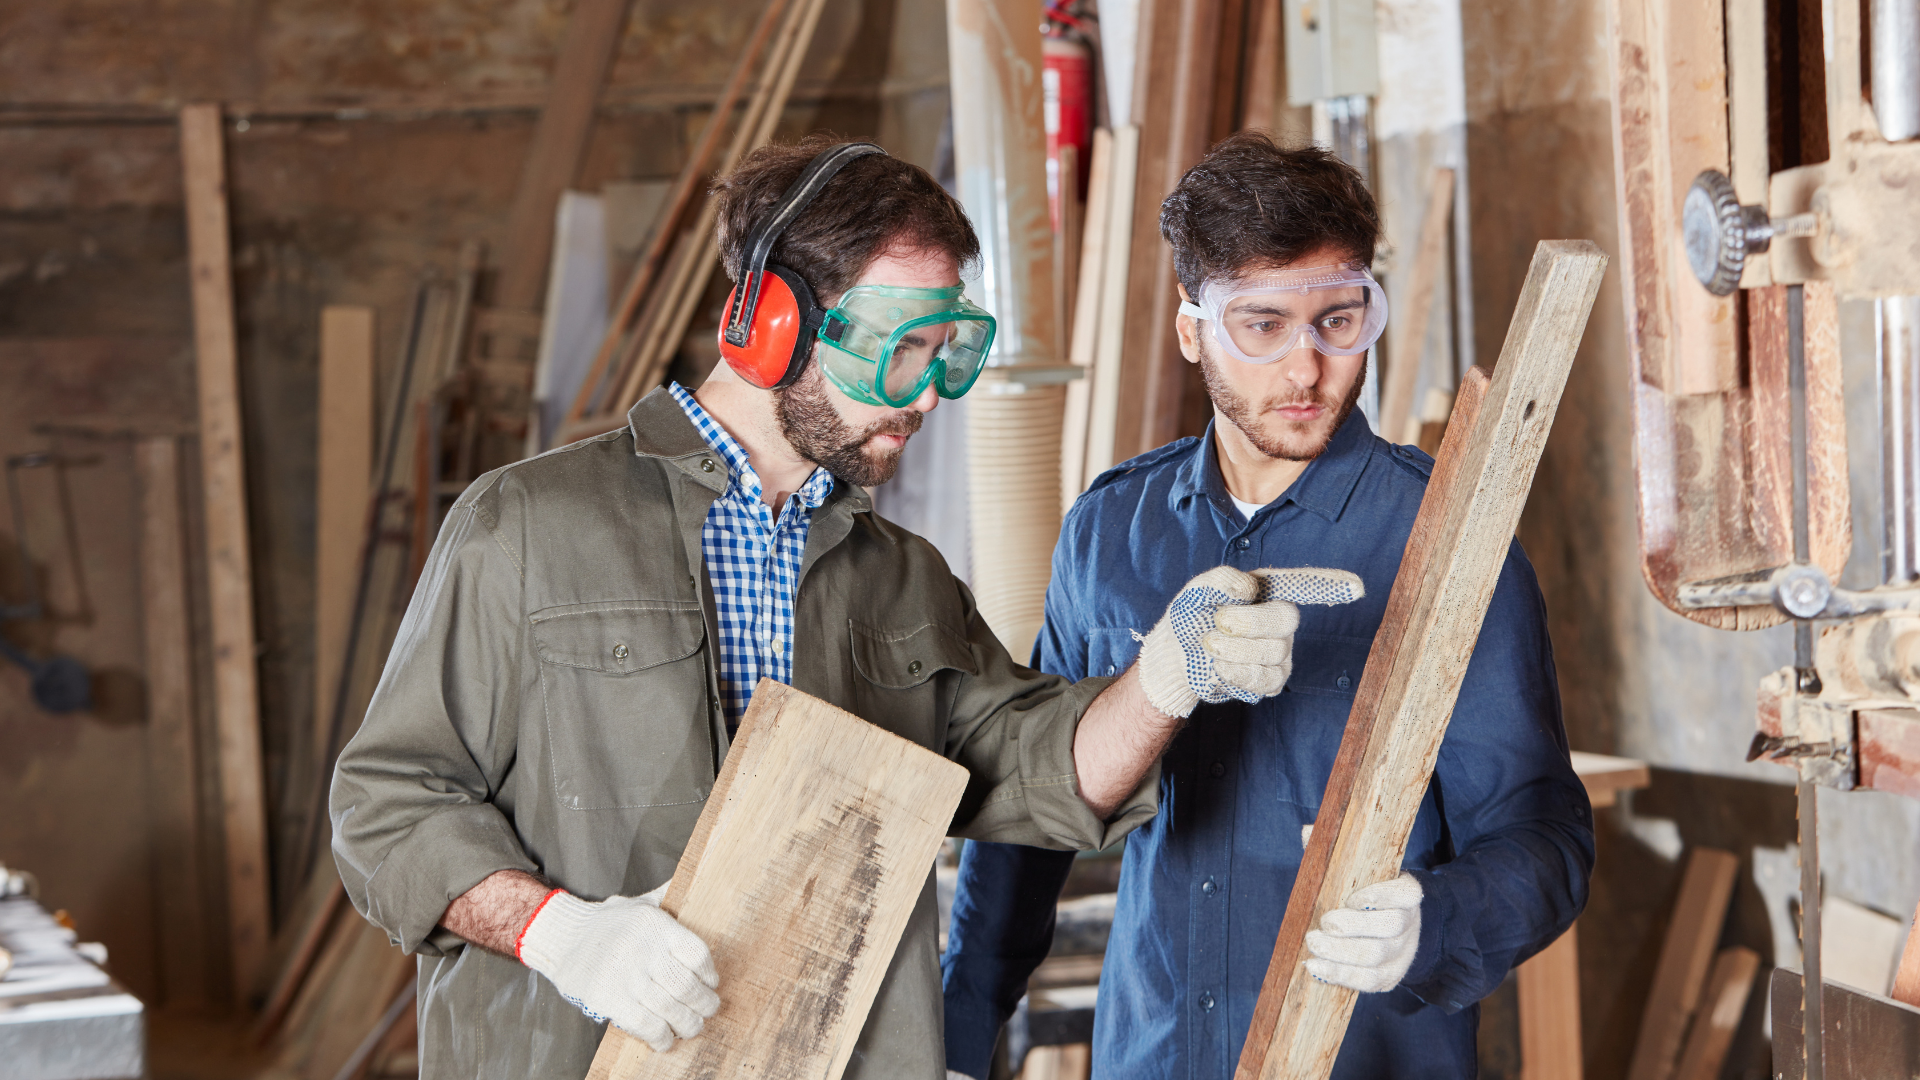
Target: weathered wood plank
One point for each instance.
(1678, 978)
(344, 482)
(1721, 1009)
(236, 695)
(1414, 306)
(1420, 653)
(800, 875)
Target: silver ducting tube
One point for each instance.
(1016, 410)
(1897, 345)
(1895, 28)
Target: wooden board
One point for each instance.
(1725, 1002)
(343, 484)
(1085, 320)
(1414, 306)
(1605, 777)
(236, 695)
(559, 144)
(173, 757)
(1420, 653)
(1747, 137)
(1549, 1007)
(1867, 1037)
(1906, 980)
(1692, 936)
(1105, 447)
(800, 875)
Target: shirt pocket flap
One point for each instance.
(618, 638)
(898, 659)
(1110, 650)
(1328, 664)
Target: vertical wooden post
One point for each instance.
(229, 572)
(1403, 369)
(344, 483)
(1550, 1011)
(1692, 937)
(172, 750)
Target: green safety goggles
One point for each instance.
(889, 343)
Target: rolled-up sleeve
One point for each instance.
(1013, 728)
(413, 824)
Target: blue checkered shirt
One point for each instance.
(753, 562)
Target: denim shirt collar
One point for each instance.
(1324, 487)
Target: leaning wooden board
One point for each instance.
(1420, 653)
(800, 876)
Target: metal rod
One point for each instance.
(1896, 322)
(1895, 29)
(1808, 683)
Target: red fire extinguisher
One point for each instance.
(1067, 88)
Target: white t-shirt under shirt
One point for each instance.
(1247, 509)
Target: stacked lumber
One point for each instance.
(670, 278)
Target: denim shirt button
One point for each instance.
(1244, 543)
(1206, 1002)
(1109, 669)
(1218, 769)
(1208, 887)
(1343, 682)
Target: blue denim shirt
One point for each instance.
(1502, 846)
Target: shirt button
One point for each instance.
(1245, 543)
(1206, 1002)
(1218, 769)
(706, 464)
(1208, 887)
(1109, 669)
(913, 668)
(1343, 682)
(620, 652)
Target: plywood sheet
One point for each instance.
(800, 876)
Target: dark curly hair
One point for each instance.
(875, 204)
(1252, 203)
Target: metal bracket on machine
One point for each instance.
(1801, 590)
(1817, 737)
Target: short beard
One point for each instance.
(1299, 441)
(814, 429)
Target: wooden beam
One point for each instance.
(1262, 94)
(1549, 1007)
(1105, 448)
(236, 694)
(344, 481)
(173, 757)
(1085, 320)
(1725, 1003)
(1605, 777)
(1420, 653)
(559, 143)
(1906, 980)
(1747, 137)
(814, 846)
(1414, 307)
(1692, 936)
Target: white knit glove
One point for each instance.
(1229, 634)
(1368, 945)
(623, 959)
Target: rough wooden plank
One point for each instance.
(1670, 122)
(1104, 448)
(344, 481)
(1906, 980)
(1420, 653)
(236, 695)
(559, 144)
(803, 868)
(1867, 1037)
(1549, 1006)
(1747, 137)
(1721, 1009)
(1262, 92)
(173, 757)
(1605, 777)
(1413, 307)
(1086, 320)
(1678, 978)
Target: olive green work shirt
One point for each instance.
(551, 704)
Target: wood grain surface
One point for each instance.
(1681, 973)
(1420, 654)
(1414, 306)
(236, 693)
(800, 875)
(1725, 1002)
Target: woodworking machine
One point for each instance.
(1754, 200)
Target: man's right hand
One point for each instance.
(624, 960)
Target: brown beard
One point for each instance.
(1302, 440)
(816, 432)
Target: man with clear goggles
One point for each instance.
(1260, 318)
(886, 344)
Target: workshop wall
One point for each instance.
(366, 142)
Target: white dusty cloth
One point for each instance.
(625, 960)
(1368, 945)
(1229, 634)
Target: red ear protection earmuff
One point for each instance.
(771, 314)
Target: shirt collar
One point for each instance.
(1323, 488)
(811, 494)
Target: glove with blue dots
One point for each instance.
(1229, 634)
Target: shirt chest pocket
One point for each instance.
(897, 688)
(1110, 650)
(625, 690)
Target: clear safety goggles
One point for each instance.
(890, 343)
(1259, 318)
